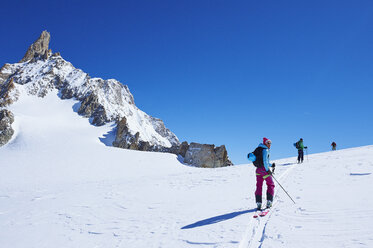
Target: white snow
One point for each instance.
(61, 186)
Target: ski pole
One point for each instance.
(283, 189)
(307, 153)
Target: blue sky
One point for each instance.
(221, 72)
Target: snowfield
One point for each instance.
(63, 185)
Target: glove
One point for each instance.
(273, 165)
(305, 147)
(269, 172)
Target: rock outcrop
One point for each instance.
(6, 130)
(38, 49)
(125, 139)
(207, 156)
(195, 154)
(8, 94)
(183, 149)
(91, 108)
(4, 73)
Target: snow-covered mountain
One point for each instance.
(41, 73)
(104, 101)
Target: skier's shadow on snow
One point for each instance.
(218, 219)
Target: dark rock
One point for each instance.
(56, 54)
(183, 149)
(5, 96)
(91, 108)
(4, 76)
(123, 138)
(6, 130)
(58, 82)
(222, 157)
(144, 146)
(66, 93)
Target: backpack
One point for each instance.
(256, 156)
(297, 145)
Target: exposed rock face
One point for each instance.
(4, 73)
(124, 139)
(8, 94)
(221, 158)
(38, 49)
(91, 108)
(207, 156)
(183, 149)
(199, 155)
(6, 130)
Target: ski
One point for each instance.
(257, 213)
(261, 213)
(264, 212)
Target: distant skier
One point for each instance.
(299, 145)
(334, 146)
(261, 161)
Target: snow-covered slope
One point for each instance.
(60, 186)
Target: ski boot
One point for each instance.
(269, 204)
(259, 206)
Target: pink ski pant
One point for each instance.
(262, 175)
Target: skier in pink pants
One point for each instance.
(263, 172)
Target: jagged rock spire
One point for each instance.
(38, 49)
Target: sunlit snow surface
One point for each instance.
(61, 186)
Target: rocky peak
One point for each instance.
(38, 49)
